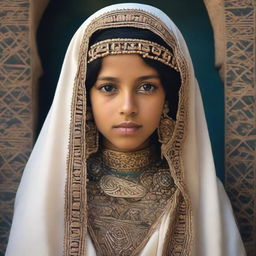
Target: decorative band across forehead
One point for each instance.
(145, 48)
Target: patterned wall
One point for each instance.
(240, 104)
(15, 104)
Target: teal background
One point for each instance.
(62, 18)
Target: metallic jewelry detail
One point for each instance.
(145, 48)
(162, 180)
(166, 126)
(92, 134)
(128, 161)
(118, 187)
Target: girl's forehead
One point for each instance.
(126, 64)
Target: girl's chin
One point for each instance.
(125, 147)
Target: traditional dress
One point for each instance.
(77, 198)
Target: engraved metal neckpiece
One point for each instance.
(128, 163)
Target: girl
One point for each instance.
(123, 164)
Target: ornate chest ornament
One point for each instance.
(125, 206)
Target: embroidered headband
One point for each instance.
(145, 48)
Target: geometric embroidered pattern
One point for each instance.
(15, 105)
(240, 119)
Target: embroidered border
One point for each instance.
(75, 201)
(75, 208)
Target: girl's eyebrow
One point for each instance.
(141, 78)
(113, 79)
(108, 78)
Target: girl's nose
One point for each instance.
(128, 104)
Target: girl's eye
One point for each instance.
(147, 87)
(107, 88)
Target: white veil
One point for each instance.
(38, 222)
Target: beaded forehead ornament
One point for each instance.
(145, 48)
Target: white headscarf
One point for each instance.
(38, 226)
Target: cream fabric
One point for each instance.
(38, 222)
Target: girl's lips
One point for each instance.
(127, 128)
(127, 125)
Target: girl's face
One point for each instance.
(127, 101)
